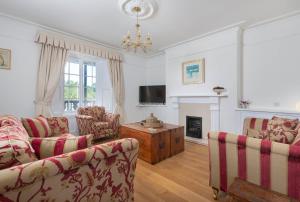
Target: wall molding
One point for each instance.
(225, 28)
(278, 18)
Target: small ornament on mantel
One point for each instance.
(218, 89)
(244, 104)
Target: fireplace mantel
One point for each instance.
(198, 98)
(213, 100)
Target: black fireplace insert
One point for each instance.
(194, 127)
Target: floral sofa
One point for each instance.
(267, 154)
(97, 173)
(94, 120)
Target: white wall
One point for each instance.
(17, 86)
(221, 63)
(134, 76)
(272, 64)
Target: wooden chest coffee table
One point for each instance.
(156, 145)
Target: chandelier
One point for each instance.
(138, 42)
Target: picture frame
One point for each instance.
(193, 72)
(5, 58)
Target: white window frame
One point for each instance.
(101, 89)
(81, 63)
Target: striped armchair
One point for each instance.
(269, 164)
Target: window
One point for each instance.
(79, 84)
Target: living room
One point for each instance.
(201, 73)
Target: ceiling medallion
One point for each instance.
(140, 9)
(148, 8)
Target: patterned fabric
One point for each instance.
(14, 148)
(297, 138)
(99, 173)
(257, 134)
(94, 120)
(101, 125)
(9, 120)
(58, 125)
(272, 165)
(53, 146)
(95, 112)
(256, 124)
(282, 130)
(37, 127)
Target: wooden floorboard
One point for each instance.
(183, 177)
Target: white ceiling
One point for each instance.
(175, 21)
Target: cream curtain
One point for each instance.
(52, 61)
(77, 45)
(117, 81)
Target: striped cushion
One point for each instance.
(53, 146)
(37, 127)
(14, 148)
(256, 124)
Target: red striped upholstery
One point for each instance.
(37, 127)
(272, 165)
(52, 146)
(256, 124)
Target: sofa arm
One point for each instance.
(58, 125)
(102, 173)
(113, 120)
(272, 165)
(84, 124)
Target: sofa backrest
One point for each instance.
(10, 120)
(255, 123)
(96, 112)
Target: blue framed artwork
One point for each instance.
(193, 72)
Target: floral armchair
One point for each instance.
(102, 172)
(94, 120)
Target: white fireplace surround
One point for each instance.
(214, 102)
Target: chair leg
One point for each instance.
(216, 193)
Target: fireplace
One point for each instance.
(194, 127)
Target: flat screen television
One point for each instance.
(152, 94)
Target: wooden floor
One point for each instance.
(183, 177)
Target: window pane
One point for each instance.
(90, 93)
(89, 70)
(89, 82)
(67, 68)
(74, 93)
(66, 79)
(66, 93)
(74, 80)
(74, 68)
(94, 71)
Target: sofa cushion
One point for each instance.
(282, 130)
(9, 120)
(37, 127)
(14, 148)
(53, 146)
(101, 125)
(257, 134)
(58, 125)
